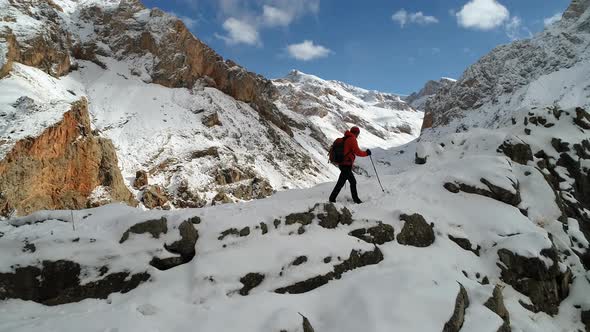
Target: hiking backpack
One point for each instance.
(336, 154)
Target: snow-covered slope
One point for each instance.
(386, 121)
(204, 129)
(419, 99)
(502, 251)
(551, 68)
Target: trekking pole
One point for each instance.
(376, 173)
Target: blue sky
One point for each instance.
(391, 46)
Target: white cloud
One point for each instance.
(239, 32)
(515, 30)
(482, 15)
(307, 50)
(246, 18)
(550, 20)
(403, 17)
(273, 16)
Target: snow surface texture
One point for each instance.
(411, 289)
(334, 107)
(551, 68)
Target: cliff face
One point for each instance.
(61, 168)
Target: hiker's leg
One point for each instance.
(341, 181)
(352, 181)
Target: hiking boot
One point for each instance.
(332, 200)
(358, 201)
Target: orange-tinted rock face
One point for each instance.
(427, 122)
(60, 168)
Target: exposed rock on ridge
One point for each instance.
(61, 168)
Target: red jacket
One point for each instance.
(351, 149)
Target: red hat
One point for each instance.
(355, 130)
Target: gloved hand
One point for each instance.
(368, 152)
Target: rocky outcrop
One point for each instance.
(153, 227)
(380, 234)
(60, 168)
(496, 304)
(184, 248)
(416, 231)
(154, 197)
(141, 179)
(545, 286)
(49, 50)
(356, 260)
(419, 99)
(250, 281)
(457, 319)
(498, 193)
(58, 282)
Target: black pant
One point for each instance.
(345, 174)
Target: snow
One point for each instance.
(379, 115)
(49, 100)
(412, 289)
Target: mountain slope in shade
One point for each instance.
(551, 68)
(334, 107)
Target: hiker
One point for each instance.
(343, 152)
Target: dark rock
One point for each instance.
(586, 319)
(153, 197)
(301, 230)
(559, 146)
(211, 120)
(527, 131)
(380, 234)
(546, 287)
(327, 259)
(304, 218)
(455, 323)
(185, 248)
(493, 191)
(465, 244)
(518, 152)
(58, 282)
(496, 304)
(231, 231)
(420, 160)
(485, 281)
(307, 325)
(250, 281)
(416, 231)
(264, 228)
(299, 260)
(332, 217)
(154, 227)
(141, 179)
(29, 247)
(210, 152)
(276, 223)
(582, 118)
(244, 231)
(195, 220)
(356, 260)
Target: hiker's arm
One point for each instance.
(357, 151)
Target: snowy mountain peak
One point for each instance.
(334, 106)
